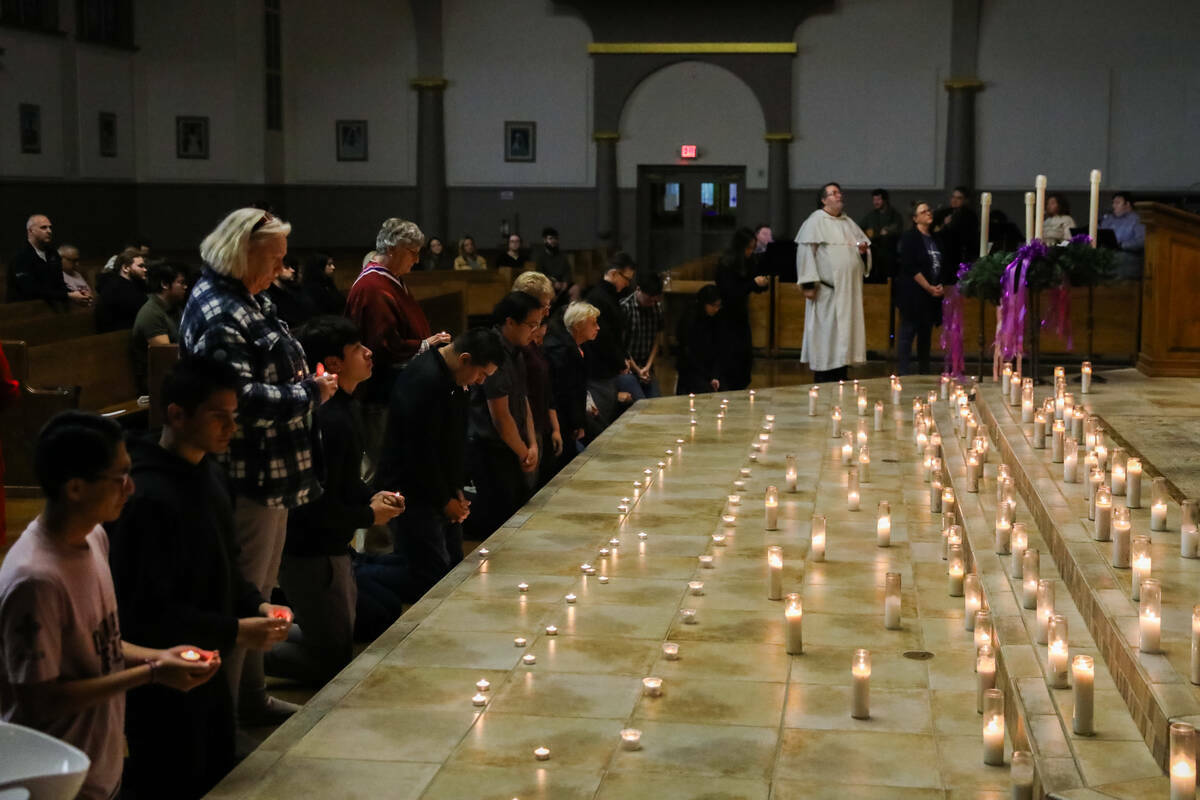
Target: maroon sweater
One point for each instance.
(392, 324)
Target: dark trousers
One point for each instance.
(829, 375)
(384, 586)
(922, 331)
(500, 486)
(430, 545)
(323, 596)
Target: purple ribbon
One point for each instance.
(952, 332)
(1010, 339)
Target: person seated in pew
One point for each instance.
(291, 302)
(436, 255)
(468, 258)
(174, 565)
(64, 664)
(157, 321)
(78, 289)
(122, 294)
(33, 271)
(423, 452)
(316, 572)
(513, 257)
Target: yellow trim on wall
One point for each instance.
(428, 83)
(601, 136)
(779, 137)
(625, 48)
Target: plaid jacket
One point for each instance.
(271, 458)
(642, 326)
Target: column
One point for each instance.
(606, 187)
(960, 132)
(778, 179)
(431, 156)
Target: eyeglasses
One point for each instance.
(120, 479)
(266, 217)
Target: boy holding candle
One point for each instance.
(65, 665)
(174, 563)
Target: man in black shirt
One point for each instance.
(122, 294)
(35, 271)
(317, 573)
(424, 449)
(606, 354)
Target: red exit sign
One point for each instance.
(687, 151)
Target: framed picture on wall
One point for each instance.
(108, 134)
(351, 140)
(520, 141)
(191, 137)
(30, 124)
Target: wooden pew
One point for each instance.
(98, 365)
(48, 326)
(20, 423)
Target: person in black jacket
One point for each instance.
(174, 565)
(923, 270)
(317, 572)
(697, 361)
(318, 285)
(425, 449)
(606, 354)
(122, 294)
(736, 281)
(35, 271)
(292, 303)
(568, 372)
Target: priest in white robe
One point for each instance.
(829, 265)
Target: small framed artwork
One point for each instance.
(108, 134)
(520, 141)
(191, 137)
(30, 122)
(351, 140)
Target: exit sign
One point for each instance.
(687, 151)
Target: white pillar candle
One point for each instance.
(864, 464)
(813, 394)
(852, 489)
(793, 618)
(1104, 510)
(1020, 541)
(771, 508)
(1006, 379)
(927, 461)
(1045, 609)
(972, 600)
(1158, 508)
(1077, 417)
(1120, 463)
(1039, 185)
(1003, 537)
(1121, 530)
(1057, 436)
(791, 475)
(1150, 616)
(1039, 430)
(817, 538)
(1094, 204)
(993, 727)
(1189, 541)
(974, 468)
(1195, 673)
(951, 535)
(1095, 481)
(985, 674)
(862, 403)
(1083, 674)
(860, 696)
(1141, 564)
(1030, 199)
(1070, 461)
(878, 415)
(863, 435)
(949, 499)
(835, 423)
(1101, 452)
(1027, 410)
(883, 524)
(1057, 652)
(985, 210)
(935, 497)
(1085, 378)
(1021, 775)
(775, 572)
(652, 686)
(891, 601)
(847, 448)
(1183, 761)
(896, 390)
(841, 386)
(955, 570)
(983, 628)
(1014, 389)
(1030, 563)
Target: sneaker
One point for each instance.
(273, 712)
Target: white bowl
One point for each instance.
(50, 769)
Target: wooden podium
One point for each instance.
(1170, 292)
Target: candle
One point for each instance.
(793, 618)
(1022, 775)
(985, 209)
(484, 552)
(1027, 410)
(863, 435)
(948, 501)
(718, 540)
(1189, 540)
(734, 500)
(706, 561)
(1142, 564)
(848, 448)
(973, 471)
(1057, 652)
(813, 394)
(1150, 616)
(1189, 512)
(841, 391)
(1195, 673)
(692, 402)
(993, 727)
(479, 699)
(688, 615)
(1183, 761)
(1095, 481)
(1094, 204)
(1083, 675)
(864, 464)
(1014, 390)
(696, 587)
(862, 404)
(1158, 507)
(1039, 430)
(1104, 510)
(1101, 453)
(1121, 528)
(1006, 379)
(1029, 569)
(775, 572)
(1040, 206)
(552, 630)
(1120, 462)
(878, 415)
(670, 651)
(1029, 203)
(852, 489)
(1045, 609)
(529, 659)
(1133, 483)
(835, 422)
(896, 390)
(860, 697)
(985, 674)
(883, 525)
(955, 569)
(631, 739)
(972, 600)
(1085, 378)
(570, 597)
(935, 496)
(817, 538)
(542, 754)
(729, 520)
(791, 475)
(519, 641)
(1020, 541)
(603, 579)
(1003, 537)
(1058, 434)
(891, 601)
(1070, 461)
(983, 628)
(523, 587)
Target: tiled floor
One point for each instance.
(738, 717)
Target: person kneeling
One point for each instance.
(317, 573)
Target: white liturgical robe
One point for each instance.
(834, 332)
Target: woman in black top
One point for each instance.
(923, 270)
(512, 257)
(736, 281)
(696, 361)
(436, 255)
(317, 283)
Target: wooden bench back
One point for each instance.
(48, 326)
(21, 421)
(98, 364)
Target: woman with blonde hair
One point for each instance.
(569, 373)
(467, 257)
(229, 317)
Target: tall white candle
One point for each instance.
(1083, 673)
(1120, 463)
(853, 497)
(878, 415)
(1070, 461)
(972, 600)
(1039, 430)
(1057, 438)
(892, 601)
(1003, 537)
(985, 212)
(935, 497)
(1014, 389)
(1141, 564)
(864, 464)
(1045, 609)
(1020, 541)
(1095, 481)
(775, 572)
(1029, 580)
(817, 538)
(1121, 530)
(860, 672)
(1183, 761)
(1085, 378)
(1150, 616)
(1158, 516)
(835, 423)
(1022, 775)
(791, 474)
(1094, 205)
(793, 618)
(1040, 210)
(883, 525)
(1104, 510)
(985, 671)
(1057, 652)
(955, 570)
(1029, 201)
(771, 509)
(813, 394)
(993, 727)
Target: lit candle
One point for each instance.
(1070, 461)
(935, 496)
(1150, 616)
(852, 489)
(972, 600)
(973, 470)
(955, 570)
(520, 641)
(1085, 377)
(835, 422)
(1058, 434)
(1195, 673)
(860, 671)
(1095, 482)
(718, 540)
(529, 659)
(848, 448)
(688, 615)
(706, 561)
(985, 674)
(864, 464)
(570, 597)
(1006, 379)
(1039, 206)
(817, 538)
(983, 628)
(1014, 389)
(1029, 580)
(1120, 462)
(1057, 652)
(691, 402)
(813, 394)
(883, 524)
(670, 651)
(696, 587)
(745, 472)
(791, 474)
(863, 435)
(1039, 430)
(878, 415)
(734, 500)
(948, 501)
(542, 754)
(631, 739)
(1101, 452)
(775, 572)
(1020, 541)
(1189, 540)
(1183, 761)
(602, 578)
(862, 404)
(793, 619)
(1133, 483)
(1027, 406)
(523, 587)
(1078, 415)
(1104, 511)
(891, 601)
(552, 630)
(1022, 775)
(729, 520)
(1158, 508)
(1141, 562)
(993, 727)
(1121, 528)
(480, 699)
(1083, 674)
(484, 552)
(1003, 537)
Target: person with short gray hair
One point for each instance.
(393, 326)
